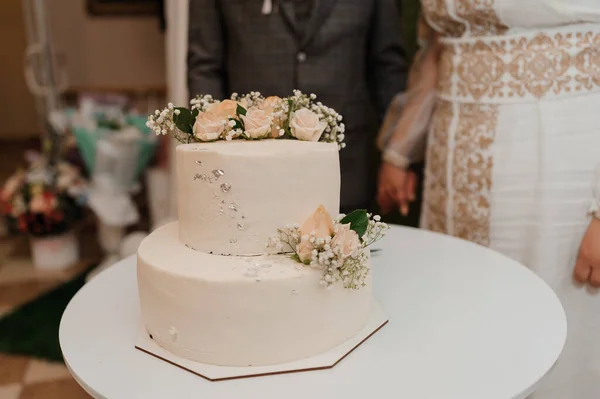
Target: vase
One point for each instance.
(55, 252)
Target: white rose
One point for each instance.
(345, 241)
(257, 123)
(209, 126)
(305, 125)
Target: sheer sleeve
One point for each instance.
(576, 10)
(404, 130)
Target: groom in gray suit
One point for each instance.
(348, 52)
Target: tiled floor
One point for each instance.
(23, 377)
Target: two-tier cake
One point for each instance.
(256, 272)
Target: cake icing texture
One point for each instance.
(234, 195)
(256, 271)
(241, 311)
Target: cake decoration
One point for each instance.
(202, 177)
(336, 247)
(210, 272)
(250, 117)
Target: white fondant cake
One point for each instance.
(250, 308)
(234, 195)
(241, 311)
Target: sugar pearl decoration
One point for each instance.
(225, 187)
(218, 173)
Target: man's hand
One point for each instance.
(587, 268)
(397, 188)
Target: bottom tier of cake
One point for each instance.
(241, 311)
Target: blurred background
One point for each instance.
(82, 180)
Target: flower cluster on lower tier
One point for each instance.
(338, 248)
(250, 117)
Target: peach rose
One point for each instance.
(225, 109)
(305, 125)
(320, 223)
(276, 131)
(304, 251)
(346, 240)
(245, 102)
(257, 123)
(270, 103)
(209, 126)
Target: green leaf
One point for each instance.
(195, 113)
(359, 221)
(238, 124)
(286, 125)
(240, 110)
(185, 120)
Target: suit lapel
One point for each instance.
(286, 8)
(321, 11)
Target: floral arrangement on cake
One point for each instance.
(250, 117)
(43, 200)
(336, 247)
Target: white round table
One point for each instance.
(465, 322)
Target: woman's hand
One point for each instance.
(397, 188)
(587, 268)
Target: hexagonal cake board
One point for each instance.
(326, 360)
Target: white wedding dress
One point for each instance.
(513, 146)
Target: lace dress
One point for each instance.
(509, 101)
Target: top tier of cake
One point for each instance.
(234, 195)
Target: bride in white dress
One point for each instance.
(507, 94)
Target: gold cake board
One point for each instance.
(323, 361)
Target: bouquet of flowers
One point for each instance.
(113, 142)
(44, 200)
(250, 117)
(338, 248)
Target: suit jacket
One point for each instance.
(350, 55)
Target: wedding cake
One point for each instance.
(256, 272)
